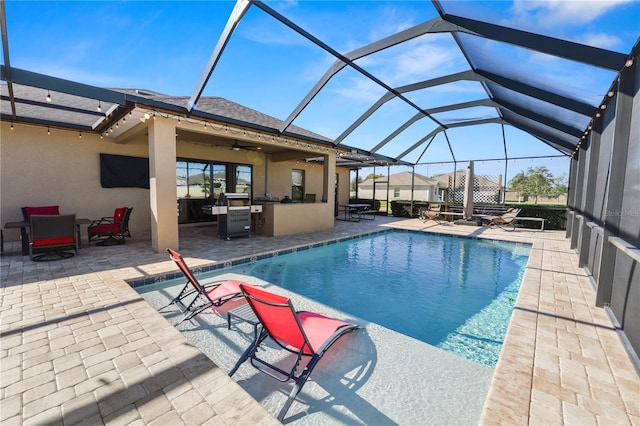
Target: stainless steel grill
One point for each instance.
(237, 220)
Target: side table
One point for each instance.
(246, 314)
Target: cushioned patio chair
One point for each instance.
(207, 295)
(52, 237)
(27, 212)
(508, 219)
(110, 230)
(304, 334)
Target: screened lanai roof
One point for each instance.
(392, 82)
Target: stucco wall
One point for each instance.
(279, 179)
(62, 169)
(343, 185)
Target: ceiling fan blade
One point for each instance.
(237, 147)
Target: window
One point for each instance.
(242, 180)
(297, 186)
(200, 182)
(219, 179)
(396, 192)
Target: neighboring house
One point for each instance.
(513, 197)
(487, 189)
(400, 188)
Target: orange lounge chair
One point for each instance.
(205, 296)
(304, 334)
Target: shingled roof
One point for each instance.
(223, 108)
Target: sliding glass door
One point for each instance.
(201, 182)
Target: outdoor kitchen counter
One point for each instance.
(285, 219)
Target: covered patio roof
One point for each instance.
(475, 67)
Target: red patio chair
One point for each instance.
(28, 211)
(304, 334)
(206, 296)
(110, 230)
(52, 235)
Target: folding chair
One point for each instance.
(304, 334)
(205, 296)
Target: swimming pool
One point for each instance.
(451, 292)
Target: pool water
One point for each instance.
(451, 292)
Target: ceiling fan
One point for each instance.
(237, 147)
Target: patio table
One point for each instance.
(352, 208)
(246, 314)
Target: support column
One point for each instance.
(328, 179)
(627, 88)
(589, 212)
(162, 184)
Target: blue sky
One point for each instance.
(164, 46)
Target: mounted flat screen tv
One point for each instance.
(121, 171)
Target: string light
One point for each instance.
(48, 96)
(48, 130)
(80, 135)
(99, 107)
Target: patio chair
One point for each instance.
(208, 295)
(52, 235)
(27, 212)
(111, 230)
(505, 220)
(434, 212)
(304, 334)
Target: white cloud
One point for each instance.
(416, 60)
(361, 90)
(286, 4)
(551, 13)
(601, 40)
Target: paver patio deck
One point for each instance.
(78, 345)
